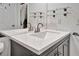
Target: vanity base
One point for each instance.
(61, 48)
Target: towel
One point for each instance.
(74, 45)
(6, 41)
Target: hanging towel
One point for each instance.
(74, 45)
(6, 42)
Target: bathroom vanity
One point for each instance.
(61, 48)
(45, 43)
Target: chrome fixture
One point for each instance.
(38, 28)
(30, 27)
(75, 33)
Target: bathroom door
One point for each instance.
(8, 18)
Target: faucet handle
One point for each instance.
(30, 27)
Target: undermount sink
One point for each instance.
(43, 34)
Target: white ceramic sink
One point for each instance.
(41, 41)
(42, 35)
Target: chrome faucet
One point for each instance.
(30, 27)
(38, 28)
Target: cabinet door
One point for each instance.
(52, 53)
(66, 48)
(63, 49)
(60, 50)
(19, 50)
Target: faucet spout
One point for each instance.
(38, 27)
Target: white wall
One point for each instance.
(10, 16)
(59, 22)
(67, 23)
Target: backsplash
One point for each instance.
(55, 15)
(37, 17)
(37, 14)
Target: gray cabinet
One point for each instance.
(18, 50)
(61, 48)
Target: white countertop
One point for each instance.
(38, 46)
(14, 32)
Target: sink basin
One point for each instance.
(42, 35)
